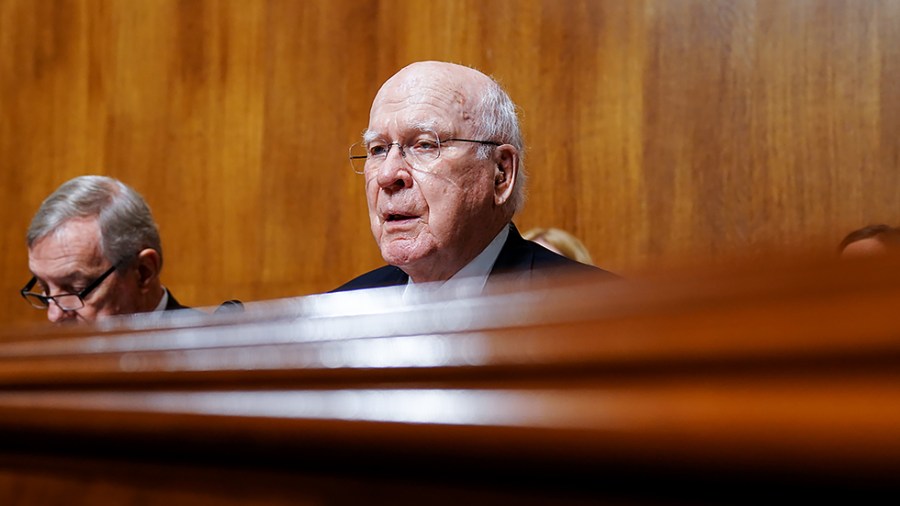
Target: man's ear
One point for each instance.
(148, 265)
(506, 169)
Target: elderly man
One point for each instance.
(442, 161)
(94, 251)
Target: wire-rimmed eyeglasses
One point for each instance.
(422, 150)
(65, 301)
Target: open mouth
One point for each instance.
(398, 217)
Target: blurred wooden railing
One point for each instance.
(744, 386)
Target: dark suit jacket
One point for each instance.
(519, 261)
(172, 303)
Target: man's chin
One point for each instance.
(401, 253)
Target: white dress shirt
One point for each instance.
(468, 281)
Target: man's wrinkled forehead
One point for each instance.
(79, 234)
(421, 95)
(435, 76)
(69, 253)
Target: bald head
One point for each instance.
(457, 87)
(872, 240)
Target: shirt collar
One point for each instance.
(468, 281)
(163, 302)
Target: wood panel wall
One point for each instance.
(657, 130)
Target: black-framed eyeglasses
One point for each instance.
(420, 151)
(65, 301)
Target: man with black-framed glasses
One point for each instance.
(94, 251)
(441, 161)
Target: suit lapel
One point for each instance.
(515, 257)
(172, 304)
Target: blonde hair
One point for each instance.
(563, 242)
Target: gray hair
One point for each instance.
(496, 120)
(126, 225)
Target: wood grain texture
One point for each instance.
(657, 131)
(734, 387)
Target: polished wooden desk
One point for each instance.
(746, 386)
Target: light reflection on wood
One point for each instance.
(763, 374)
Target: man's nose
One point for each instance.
(55, 314)
(394, 172)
